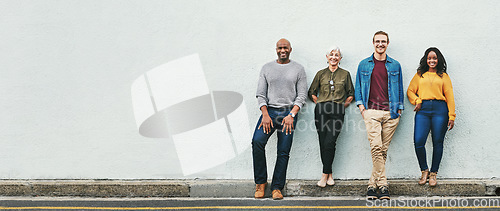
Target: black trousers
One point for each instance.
(329, 118)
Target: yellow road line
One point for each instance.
(230, 207)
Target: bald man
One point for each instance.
(281, 93)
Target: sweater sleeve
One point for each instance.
(313, 89)
(300, 100)
(262, 90)
(413, 89)
(448, 94)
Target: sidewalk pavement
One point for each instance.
(237, 188)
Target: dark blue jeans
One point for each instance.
(259, 142)
(433, 116)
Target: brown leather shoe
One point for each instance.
(277, 194)
(424, 177)
(259, 190)
(433, 179)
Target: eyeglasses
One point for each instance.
(331, 85)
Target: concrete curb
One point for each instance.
(397, 187)
(235, 188)
(93, 188)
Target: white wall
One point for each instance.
(67, 68)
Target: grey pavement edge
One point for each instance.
(237, 188)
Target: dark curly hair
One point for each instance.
(440, 67)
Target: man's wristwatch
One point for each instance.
(292, 114)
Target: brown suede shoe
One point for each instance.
(433, 179)
(424, 177)
(259, 190)
(277, 194)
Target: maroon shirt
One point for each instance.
(379, 94)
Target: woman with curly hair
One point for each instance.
(431, 92)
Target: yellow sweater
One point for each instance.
(432, 87)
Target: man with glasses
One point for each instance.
(281, 92)
(379, 97)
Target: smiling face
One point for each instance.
(432, 60)
(333, 58)
(283, 49)
(380, 42)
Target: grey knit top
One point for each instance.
(282, 85)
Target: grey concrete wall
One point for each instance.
(67, 69)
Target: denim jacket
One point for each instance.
(395, 86)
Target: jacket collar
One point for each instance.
(387, 59)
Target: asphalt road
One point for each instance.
(289, 203)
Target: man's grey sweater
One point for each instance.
(282, 85)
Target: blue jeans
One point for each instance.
(433, 116)
(259, 142)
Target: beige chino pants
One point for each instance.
(380, 128)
